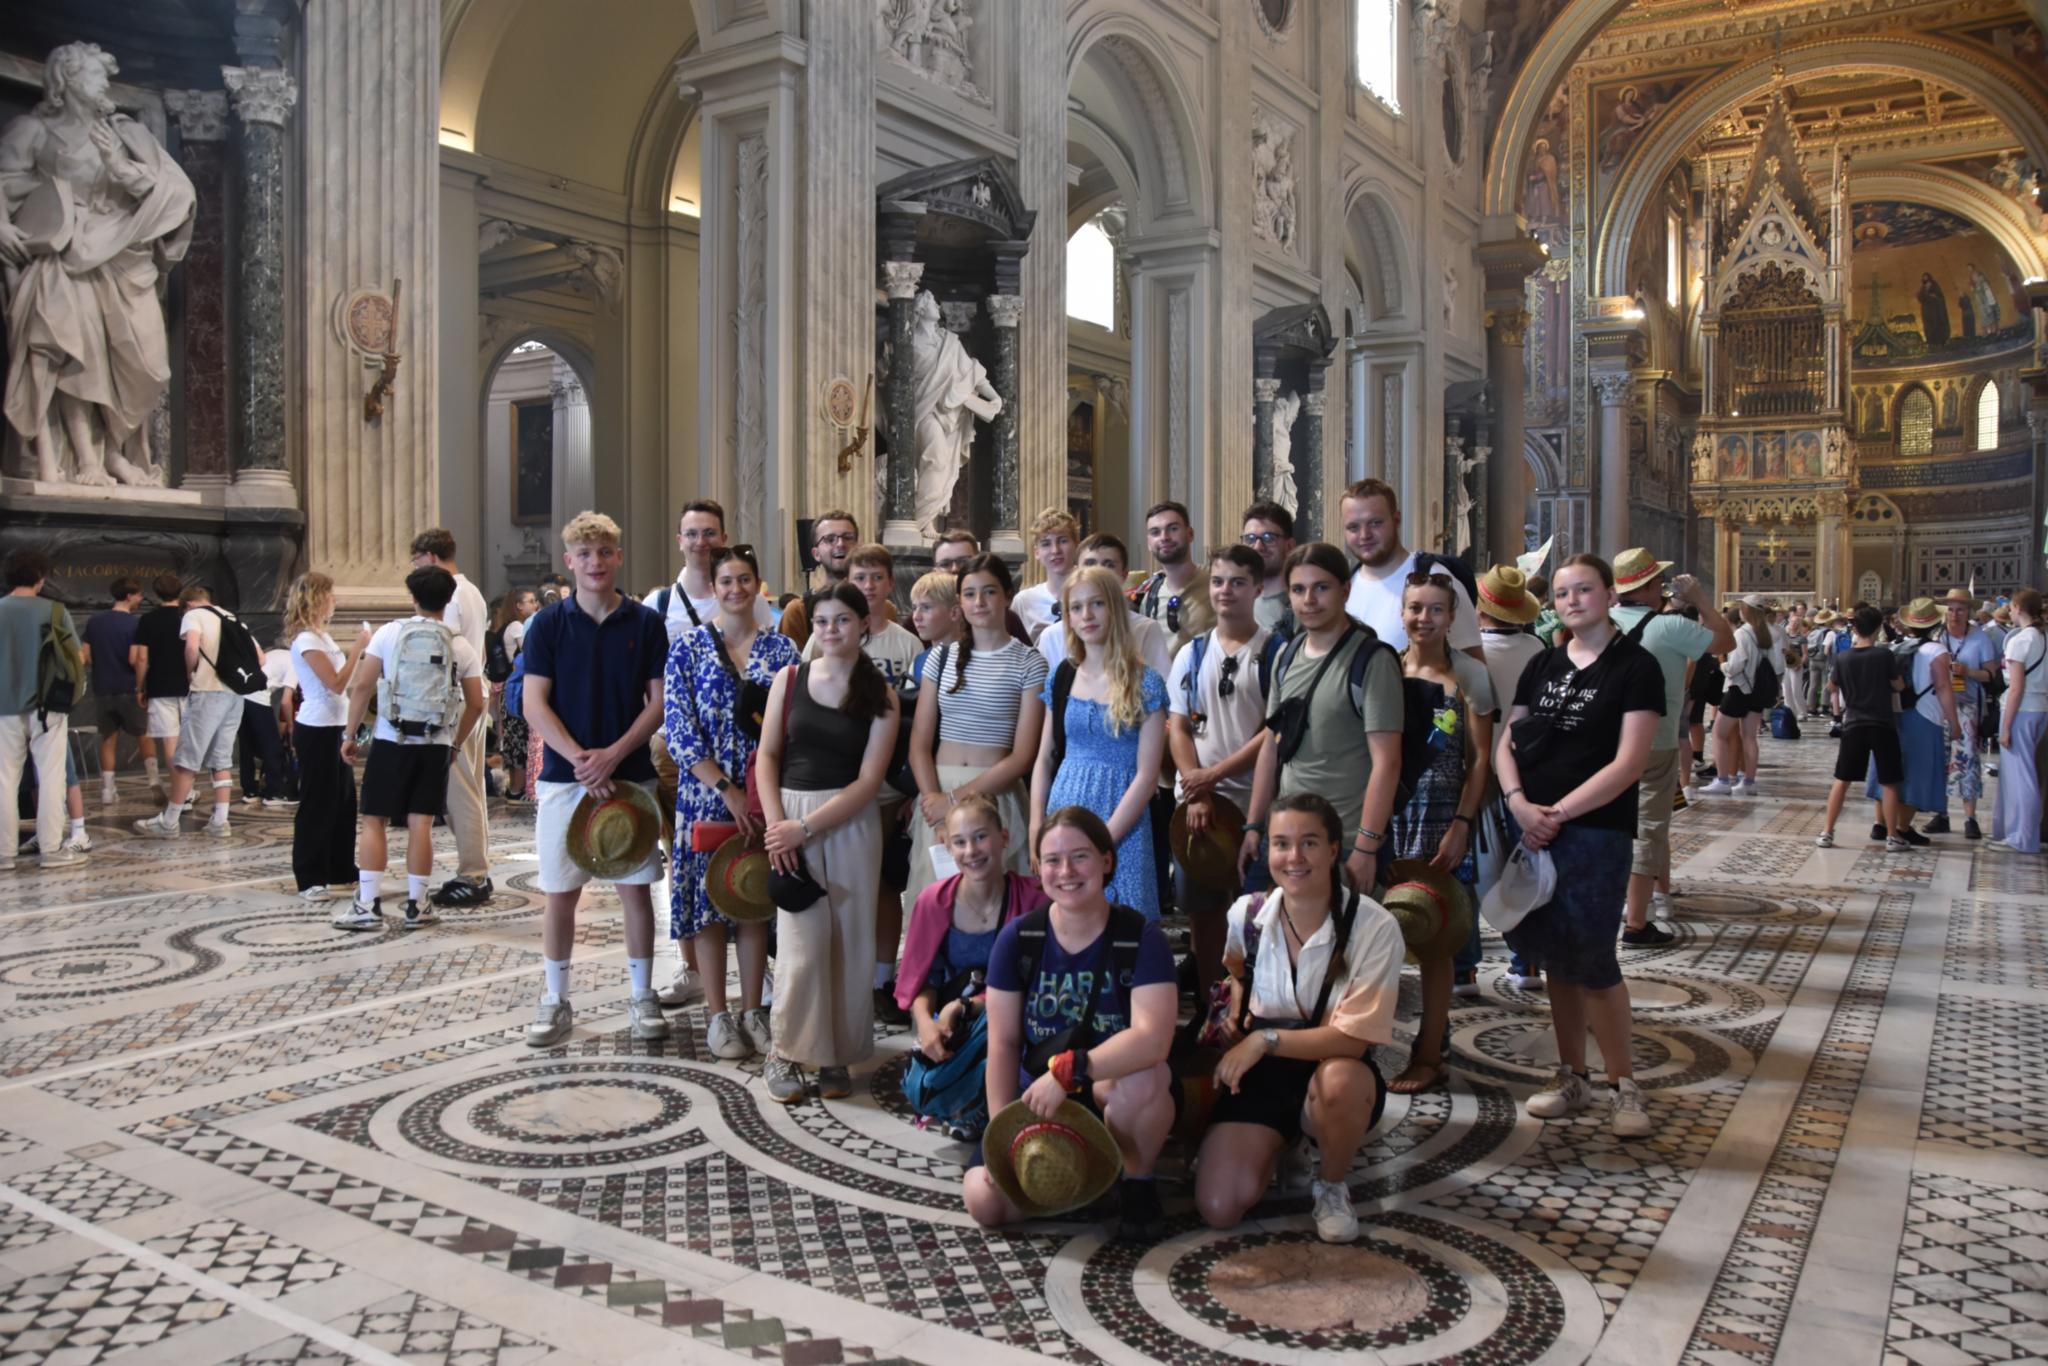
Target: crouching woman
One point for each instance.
(1082, 1003)
(1315, 974)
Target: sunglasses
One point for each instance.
(1227, 684)
(1422, 577)
(1260, 538)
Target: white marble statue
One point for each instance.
(931, 36)
(952, 390)
(1286, 408)
(1462, 504)
(1274, 207)
(93, 213)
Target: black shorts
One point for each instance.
(1736, 704)
(117, 711)
(405, 780)
(1275, 1090)
(1862, 743)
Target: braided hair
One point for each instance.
(995, 568)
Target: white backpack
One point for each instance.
(419, 692)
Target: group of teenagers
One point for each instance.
(1006, 764)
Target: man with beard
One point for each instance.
(834, 535)
(1372, 532)
(1175, 596)
(1269, 529)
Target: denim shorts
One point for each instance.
(1573, 934)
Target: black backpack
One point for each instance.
(497, 664)
(1062, 688)
(239, 665)
(1414, 742)
(1428, 561)
(1126, 929)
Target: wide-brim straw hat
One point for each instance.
(1824, 617)
(611, 837)
(1433, 908)
(1635, 567)
(1050, 1166)
(737, 882)
(1919, 614)
(1959, 597)
(1210, 858)
(2003, 614)
(1504, 595)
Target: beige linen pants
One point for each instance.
(467, 820)
(824, 1012)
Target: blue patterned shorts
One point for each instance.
(1573, 934)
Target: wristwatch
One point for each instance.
(1271, 1038)
(721, 785)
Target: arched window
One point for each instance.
(1987, 416)
(1916, 423)
(1091, 276)
(1379, 49)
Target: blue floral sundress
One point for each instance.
(1096, 771)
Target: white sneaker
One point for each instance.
(279, 804)
(1336, 1221)
(643, 1016)
(359, 916)
(552, 1022)
(1660, 905)
(759, 1034)
(1526, 981)
(65, 857)
(107, 795)
(317, 895)
(1745, 787)
(685, 988)
(162, 826)
(1565, 1093)
(1719, 787)
(726, 1038)
(1626, 1112)
(218, 828)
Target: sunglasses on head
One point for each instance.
(1421, 577)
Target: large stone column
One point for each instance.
(1265, 389)
(899, 522)
(1831, 560)
(263, 97)
(1508, 263)
(370, 93)
(1309, 483)
(1005, 537)
(1616, 390)
(203, 401)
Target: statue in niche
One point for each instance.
(1274, 208)
(95, 215)
(951, 391)
(1462, 503)
(1834, 459)
(1286, 407)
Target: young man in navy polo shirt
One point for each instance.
(594, 666)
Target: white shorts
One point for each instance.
(559, 872)
(166, 717)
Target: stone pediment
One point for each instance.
(1777, 234)
(964, 200)
(1300, 329)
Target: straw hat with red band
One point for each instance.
(1050, 1166)
(613, 836)
(1433, 908)
(1635, 567)
(1504, 595)
(737, 882)
(1919, 614)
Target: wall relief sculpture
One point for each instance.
(97, 213)
(1275, 206)
(930, 37)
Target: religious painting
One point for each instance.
(1081, 465)
(1512, 29)
(1930, 283)
(1767, 456)
(1623, 113)
(533, 462)
(1804, 459)
(1545, 167)
(2020, 42)
(1731, 456)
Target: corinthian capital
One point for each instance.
(1005, 309)
(1615, 387)
(1508, 325)
(1265, 390)
(899, 278)
(202, 114)
(263, 94)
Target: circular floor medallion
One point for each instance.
(576, 1112)
(581, 1116)
(86, 969)
(1300, 1286)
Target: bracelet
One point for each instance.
(805, 824)
(1461, 816)
(1255, 827)
(1510, 796)
(1375, 836)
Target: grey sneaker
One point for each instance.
(685, 988)
(1894, 845)
(65, 857)
(727, 1039)
(755, 1022)
(552, 1021)
(218, 829)
(162, 826)
(1336, 1221)
(1824, 840)
(785, 1081)
(1564, 1094)
(359, 916)
(834, 1083)
(643, 1016)
(1626, 1111)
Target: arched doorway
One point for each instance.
(535, 452)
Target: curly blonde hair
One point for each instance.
(302, 603)
(1121, 663)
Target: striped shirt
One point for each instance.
(984, 711)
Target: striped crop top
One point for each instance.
(984, 711)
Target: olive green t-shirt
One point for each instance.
(1334, 759)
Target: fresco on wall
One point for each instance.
(1930, 286)
(1623, 113)
(1750, 457)
(2019, 42)
(1512, 28)
(1731, 456)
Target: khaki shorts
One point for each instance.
(206, 743)
(1655, 792)
(166, 717)
(559, 872)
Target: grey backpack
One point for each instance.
(419, 691)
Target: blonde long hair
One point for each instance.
(302, 603)
(1125, 670)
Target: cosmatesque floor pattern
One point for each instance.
(229, 1133)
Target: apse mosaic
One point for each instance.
(1930, 286)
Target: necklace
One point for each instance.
(981, 917)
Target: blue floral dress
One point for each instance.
(698, 702)
(1096, 771)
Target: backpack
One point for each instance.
(515, 687)
(1062, 689)
(1784, 725)
(1126, 928)
(497, 664)
(1428, 561)
(60, 666)
(418, 691)
(239, 666)
(1414, 745)
(1903, 652)
(661, 602)
(1199, 648)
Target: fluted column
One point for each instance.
(1006, 310)
(1265, 389)
(201, 117)
(1308, 467)
(1615, 388)
(263, 97)
(899, 512)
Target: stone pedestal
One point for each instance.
(1006, 539)
(1310, 488)
(263, 96)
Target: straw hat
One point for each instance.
(1050, 1166)
(610, 838)
(1210, 857)
(1825, 616)
(1919, 614)
(2003, 614)
(1504, 596)
(1959, 597)
(737, 882)
(1434, 909)
(1635, 567)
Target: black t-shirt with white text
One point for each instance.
(1574, 724)
(1865, 677)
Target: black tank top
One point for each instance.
(823, 749)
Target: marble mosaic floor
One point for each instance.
(229, 1133)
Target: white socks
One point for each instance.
(416, 886)
(641, 971)
(220, 813)
(149, 769)
(78, 828)
(558, 977)
(368, 882)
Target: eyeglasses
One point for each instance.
(1263, 538)
(1421, 577)
(1228, 683)
(837, 538)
